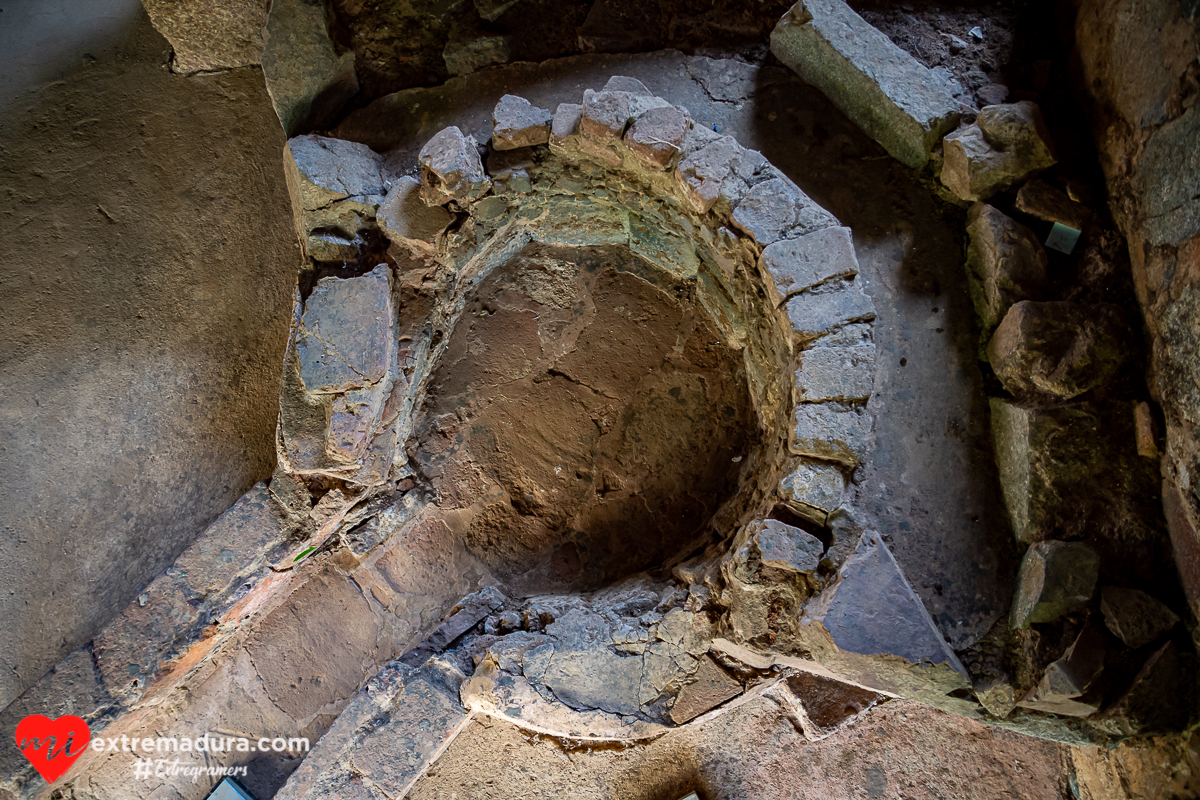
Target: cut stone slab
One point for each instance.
(893, 98)
(1135, 617)
(1006, 145)
(451, 169)
(798, 264)
(407, 220)
(656, 137)
(309, 82)
(519, 123)
(208, 35)
(832, 432)
(829, 306)
(836, 373)
(343, 339)
(710, 687)
(814, 485)
(786, 547)
(769, 210)
(1039, 199)
(1005, 264)
(872, 610)
(1059, 349)
(322, 170)
(1055, 578)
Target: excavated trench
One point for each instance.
(589, 416)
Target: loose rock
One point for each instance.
(451, 169)
(1005, 264)
(1006, 145)
(1058, 349)
(1043, 201)
(519, 123)
(1055, 578)
(1135, 617)
(786, 547)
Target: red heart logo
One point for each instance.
(52, 745)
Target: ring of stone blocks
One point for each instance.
(624, 145)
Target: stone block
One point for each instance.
(786, 547)
(232, 547)
(1055, 578)
(710, 686)
(336, 187)
(829, 306)
(423, 720)
(1006, 145)
(836, 373)
(655, 138)
(1135, 617)
(1005, 265)
(701, 172)
(768, 210)
(406, 219)
(308, 80)
(519, 123)
(130, 648)
(831, 431)
(345, 332)
(798, 264)
(873, 610)
(893, 98)
(451, 169)
(564, 127)
(1059, 350)
(814, 485)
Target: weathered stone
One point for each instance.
(1055, 578)
(831, 431)
(309, 82)
(622, 83)
(827, 703)
(564, 126)
(211, 36)
(1006, 145)
(343, 338)
(473, 608)
(892, 97)
(131, 647)
(407, 220)
(828, 306)
(786, 547)
(451, 169)
(1178, 373)
(1158, 699)
(709, 687)
(519, 123)
(1043, 201)
(836, 373)
(1166, 177)
(814, 485)
(873, 610)
(702, 171)
(1005, 264)
(655, 137)
(594, 678)
(1067, 679)
(421, 722)
(1133, 616)
(991, 94)
(605, 115)
(464, 56)
(1059, 349)
(798, 264)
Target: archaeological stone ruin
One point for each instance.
(676, 400)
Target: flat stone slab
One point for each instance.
(798, 264)
(342, 343)
(893, 98)
(872, 610)
(815, 485)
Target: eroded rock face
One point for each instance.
(578, 403)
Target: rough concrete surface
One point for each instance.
(930, 487)
(148, 262)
